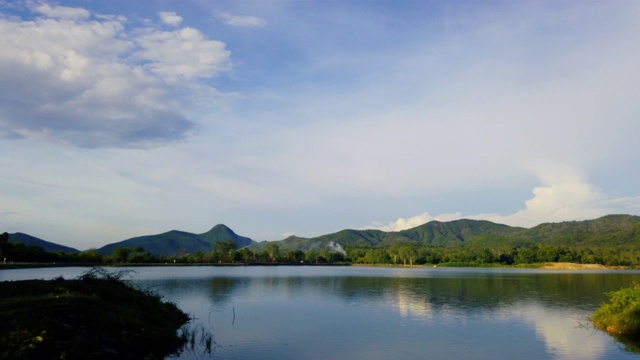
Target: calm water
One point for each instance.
(385, 313)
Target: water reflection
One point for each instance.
(379, 313)
(525, 315)
(559, 330)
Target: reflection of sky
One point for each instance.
(411, 307)
(305, 313)
(562, 331)
(566, 334)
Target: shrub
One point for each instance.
(621, 315)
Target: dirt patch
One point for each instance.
(573, 266)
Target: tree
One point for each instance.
(4, 237)
(407, 253)
(246, 255)
(226, 250)
(273, 250)
(295, 257)
(121, 254)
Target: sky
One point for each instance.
(126, 118)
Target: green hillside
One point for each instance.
(174, 242)
(45, 245)
(607, 231)
(621, 232)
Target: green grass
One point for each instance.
(620, 316)
(95, 316)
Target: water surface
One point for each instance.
(385, 313)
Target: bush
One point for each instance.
(621, 315)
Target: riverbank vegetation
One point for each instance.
(95, 316)
(399, 255)
(473, 253)
(620, 316)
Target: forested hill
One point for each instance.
(620, 231)
(610, 230)
(174, 242)
(29, 240)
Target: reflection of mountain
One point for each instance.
(439, 291)
(415, 309)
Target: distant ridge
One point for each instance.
(610, 230)
(174, 242)
(45, 245)
(621, 231)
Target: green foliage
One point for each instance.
(621, 315)
(226, 250)
(180, 242)
(611, 240)
(273, 250)
(90, 317)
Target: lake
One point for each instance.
(342, 312)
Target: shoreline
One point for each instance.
(543, 266)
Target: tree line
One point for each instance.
(413, 254)
(226, 252)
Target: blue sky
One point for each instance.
(127, 118)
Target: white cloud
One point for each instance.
(570, 199)
(564, 198)
(170, 18)
(404, 224)
(182, 54)
(62, 12)
(70, 79)
(242, 21)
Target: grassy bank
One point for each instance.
(97, 316)
(620, 316)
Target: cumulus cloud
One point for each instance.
(570, 199)
(69, 77)
(170, 18)
(565, 198)
(242, 21)
(62, 12)
(184, 53)
(404, 224)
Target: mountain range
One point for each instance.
(610, 230)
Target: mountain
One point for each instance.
(621, 231)
(431, 233)
(453, 232)
(174, 241)
(45, 245)
(610, 230)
